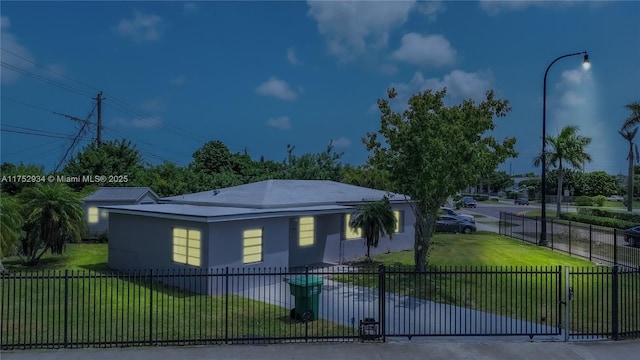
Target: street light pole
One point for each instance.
(543, 158)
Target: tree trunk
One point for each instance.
(630, 179)
(423, 233)
(559, 191)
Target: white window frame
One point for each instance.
(186, 246)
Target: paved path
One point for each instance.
(440, 349)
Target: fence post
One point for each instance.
(151, 306)
(66, 307)
(567, 302)
(226, 305)
(614, 304)
(381, 300)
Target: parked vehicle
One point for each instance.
(451, 223)
(521, 201)
(615, 198)
(469, 202)
(632, 236)
(450, 211)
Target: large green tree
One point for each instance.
(567, 149)
(433, 150)
(111, 158)
(11, 222)
(628, 132)
(9, 171)
(374, 219)
(634, 117)
(53, 215)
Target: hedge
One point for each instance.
(608, 213)
(597, 220)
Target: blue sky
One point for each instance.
(261, 75)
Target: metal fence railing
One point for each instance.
(215, 306)
(603, 245)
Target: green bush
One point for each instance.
(596, 220)
(633, 217)
(599, 200)
(584, 201)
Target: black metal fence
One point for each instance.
(603, 245)
(170, 307)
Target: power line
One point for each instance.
(42, 133)
(44, 79)
(48, 69)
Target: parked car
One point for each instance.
(468, 202)
(632, 236)
(521, 201)
(615, 198)
(451, 223)
(450, 211)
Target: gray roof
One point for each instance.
(123, 194)
(284, 194)
(217, 214)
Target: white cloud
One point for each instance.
(494, 7)
(341, 142)
(570, 99)
(143, 27)
(141, 123)
(571, 86)
(431, 50)
(354, 27)
(460, 85)
(153, 105)
(190, 7)
(430, 9)
(572, 78)
(178, 80)
(276, 88)
(16, 54)
(388, 69)
(292, 58)
(280, 122)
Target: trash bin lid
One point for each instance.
(303, 280)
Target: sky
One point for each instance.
(260, 75)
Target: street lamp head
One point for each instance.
(585, 63)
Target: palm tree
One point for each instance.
(53, 215)
(566, 148)
(628, 133)
(11, 222)
(634, 118)
(374, 218)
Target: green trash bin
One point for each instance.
(306, 290)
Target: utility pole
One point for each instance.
(99, 126)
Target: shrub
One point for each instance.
(584, 201)
(604, 212)
(599, 200)
(596, 220)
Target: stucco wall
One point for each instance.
(339, 249)
(144, 242)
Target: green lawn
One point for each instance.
(496, 274)
(483, 249)
(104, 308)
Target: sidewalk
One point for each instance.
(459, 348)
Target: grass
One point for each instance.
(504, 276)
(103, 308)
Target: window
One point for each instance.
(186, 246)
(349, 233)
(357, 234)
(399, 215)
(306, 233)
(93, 215)
(252, 246)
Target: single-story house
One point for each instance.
(267, 224)
(97, 218)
